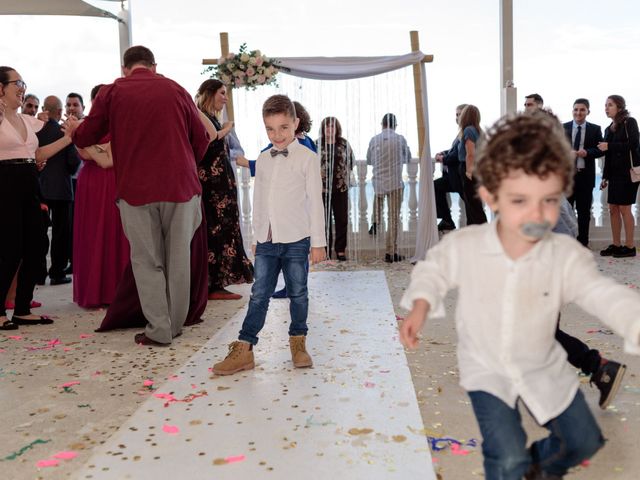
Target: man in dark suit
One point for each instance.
(450, 180)
(55, 184)
(584, 138)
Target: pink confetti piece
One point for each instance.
(65, 455)
(67, 349)
(585, 463)
(172, 429)
(165, 396)
(86, 335)
(173, 377)
(97, 372)
(15, 337)
(193, 385)
(457, 450)
(2, 350)
(47, 463)
(69, 384)
(369, 384)
(399, 318)
(147, 383)
(235, 459)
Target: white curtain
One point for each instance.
(346, 68)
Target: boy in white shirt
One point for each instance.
(513, 275)
(288, 221)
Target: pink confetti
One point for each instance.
(97, 372)
(593, 330)
(457, 450)
(399, 318)
(67, 349)
(369, 384)
(86, 335)
(2, 350)
(193, 385)
(65, 455)
(15, 337)
(165, 396)
(173, 377)
(69, 384)
(235, 459)
(585, 463)
(172, 429)
(47, 463)
(147, 383)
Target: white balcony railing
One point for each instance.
(361, 204)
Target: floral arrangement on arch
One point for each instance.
(248, 69)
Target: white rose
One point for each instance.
(244, 58)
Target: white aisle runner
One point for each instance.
(354, 415)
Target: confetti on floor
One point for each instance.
(277, 420)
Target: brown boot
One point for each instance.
(240, 357)
(299, 355)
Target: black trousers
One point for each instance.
(60, 212)
(578, 353)
(21, 239)
(442, 186)
(337, 203)
(472, 203)
(581, 200)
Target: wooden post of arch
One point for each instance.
(224, 49)
(417, 87)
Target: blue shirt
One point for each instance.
(469, 133)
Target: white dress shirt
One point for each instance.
(583, 132)
(507, 312)
(387, 152)
(287, 195)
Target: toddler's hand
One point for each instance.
(412, 324)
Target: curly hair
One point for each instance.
(305, 119)
(532, 142)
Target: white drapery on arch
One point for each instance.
(346, 68)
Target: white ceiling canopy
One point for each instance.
(52, 7)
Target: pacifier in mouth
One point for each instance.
(535, 230)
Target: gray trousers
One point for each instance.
(160, 236)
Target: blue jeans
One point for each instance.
(574, 437)
(292, 259)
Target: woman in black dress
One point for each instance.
(620, 146)
(336, 165)
(227, 261)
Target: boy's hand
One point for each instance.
(412, 324)
(318, 254)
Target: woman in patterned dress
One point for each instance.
(227, 261)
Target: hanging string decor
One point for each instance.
(248, 69)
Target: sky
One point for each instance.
(562, 50)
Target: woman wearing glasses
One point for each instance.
(19, 205)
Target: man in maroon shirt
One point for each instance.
(157, 138)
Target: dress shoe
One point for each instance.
(41, 320)
(142, 339)
(9, 325)
(374, 229)
(68, 270)
(59, 281)
(446, 225)
(282, 293)
(341, 257)
(393, 258)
